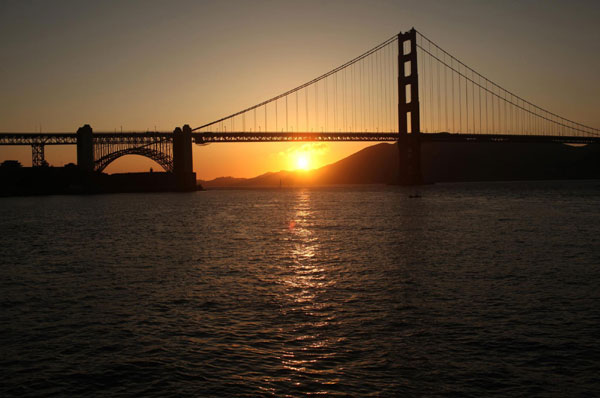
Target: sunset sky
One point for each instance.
(145, 65)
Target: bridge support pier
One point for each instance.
(183, 166)
(85, 149)
(37, 155)
(409, 154)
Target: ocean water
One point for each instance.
(480, 289)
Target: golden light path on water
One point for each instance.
(306, 285)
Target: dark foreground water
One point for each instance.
(470, 290)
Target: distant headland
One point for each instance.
(441, 162)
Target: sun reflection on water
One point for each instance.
(307, 280)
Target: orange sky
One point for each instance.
(141, 65)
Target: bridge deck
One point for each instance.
(213, 137)
(204, 138)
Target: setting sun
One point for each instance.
(306, 157)
(302, 162)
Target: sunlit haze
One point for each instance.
(153, 65)
(303, 162)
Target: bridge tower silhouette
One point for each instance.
(409, 122)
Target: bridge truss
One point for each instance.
(107, 146)
(156, 146)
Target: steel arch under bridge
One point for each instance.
(156, 146)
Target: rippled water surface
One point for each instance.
(469, 290)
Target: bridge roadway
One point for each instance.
(141, 138)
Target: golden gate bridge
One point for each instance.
(406, 90)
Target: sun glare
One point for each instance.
(306, 157)
(302, 162)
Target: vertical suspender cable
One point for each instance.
(460, 99)
(424, 92)
(505, 116)
(385, 82)
(431, 89)
(487, 131)
(479, 96)
(439, 93)
(362, 95)
(368, 77)
(446, 128)
(392, 89)
(344, 102)
(467, 102)
(306, 107)
(453, 112)
(326, 104)
(473, 98)
(316, 107)
(376, 93)
(371, 123)
(335, 101)
(353, 92)
(383, 87)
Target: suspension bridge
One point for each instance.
(407, 90)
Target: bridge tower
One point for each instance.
(183, 167)
(409, 124)
(85, 149)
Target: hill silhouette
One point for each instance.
(442, 162)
